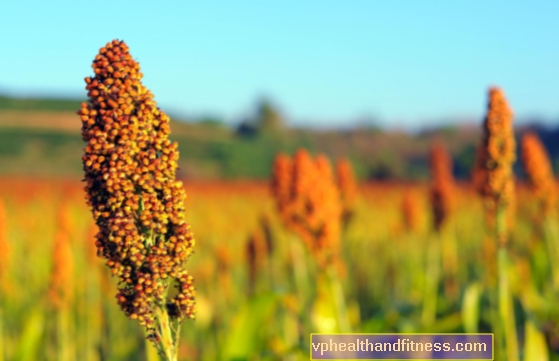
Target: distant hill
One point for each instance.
(62, 105)
(42, 137)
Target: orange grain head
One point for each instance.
(537, 167)
(442, 184)
(493, 176)
(130, 167)
(311, 206)
(348, 188)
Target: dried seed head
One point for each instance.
(411, 210)
(348, 188)
(442, 184)
(494, 177)
(281, 183)
(309, 202)
(266, 230)
(539, 171)
(131, 188)
(255, 254)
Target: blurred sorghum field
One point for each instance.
(249, 271)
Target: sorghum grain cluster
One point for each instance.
(137, 203)
(309, 202)
(539, 171)
(442, 184)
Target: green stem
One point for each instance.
(63, 335)
(450, 259)
(552, 243)
(506, 308)
(432, 281)
(300, 271)
(1, 334)
(151, 352)
(166, 344)
(339, 299)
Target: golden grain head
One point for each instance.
(537, 167)
(411, 211)
(347, 185)
(131, 188)
(495, 179)
(312, 208)
(442, 184)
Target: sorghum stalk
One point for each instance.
(1, 333)
(137, 203)
(432, 276)
(495, 181)
(309, 203)
(257, 252)
(348, 189)
(411, 210)
(441, 195)
(537, 167)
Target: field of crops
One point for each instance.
(129, 262)
(261, 302)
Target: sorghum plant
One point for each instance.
(308, 202)
(348, 189)
(442, 184)
(537, 166)
(442, 246)
(542, 181)
(494, 179)
(137, 203)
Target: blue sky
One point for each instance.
(406, 63)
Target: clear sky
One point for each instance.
(325, 62)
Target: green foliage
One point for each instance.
(8, 103)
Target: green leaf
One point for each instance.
(324, 311)
(470, 308)
(30, 339)
(535, 346)
(245, 336)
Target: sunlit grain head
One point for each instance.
(537, 167)
(131, 188)
(442, 184)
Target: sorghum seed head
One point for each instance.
(348, 188)
(309, 202)
(137, 203)
(539, 171)
(442, 183)
(493, 175)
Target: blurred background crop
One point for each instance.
(374, 84)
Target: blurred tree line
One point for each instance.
(211, 149)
